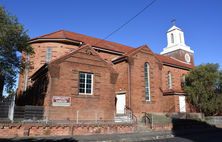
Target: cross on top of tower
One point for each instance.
(173, 22)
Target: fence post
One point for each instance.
(151, 121)
(77, 116)
(96, 117)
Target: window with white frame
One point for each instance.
(170, 83)
(147, 81)
(48, 55)
(85, 83)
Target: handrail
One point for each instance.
(147, 116)
(132, 116)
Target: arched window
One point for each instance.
(170, 83)
(183, 80)
(48, 54)
(147, 81)
(180, 37)
(172, 38)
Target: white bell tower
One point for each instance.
(176, 46)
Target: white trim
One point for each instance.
(178, 41)
(176, 47)
(85, 73)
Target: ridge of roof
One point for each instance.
(136, 49)
(45, 35)
(65, 56)
(132, 51)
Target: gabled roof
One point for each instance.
(166, 60)
(132, 52)
(62, 34)
(174, 28)
(44, 68)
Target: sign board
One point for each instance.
(61, 101)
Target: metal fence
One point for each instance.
(22, 113)
(6, 108)
(90, 116)
(163, 119)
(60, 115)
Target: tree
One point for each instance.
(13, 40)
(204, 88)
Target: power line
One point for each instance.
(127, 22)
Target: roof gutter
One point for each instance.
(176, 66)
(54, 39)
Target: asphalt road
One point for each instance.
(215, 136)
(207, 136)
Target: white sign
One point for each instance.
(61, 101)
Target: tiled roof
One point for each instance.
(104, 44)
(62, 34)
(171, 61)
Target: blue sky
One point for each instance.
(201, 21)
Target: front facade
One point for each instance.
(84, 78)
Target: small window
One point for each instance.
(183, 80)
(172, 38)
(85, 83)
(147, 81)
(48, 54)
(170, 84)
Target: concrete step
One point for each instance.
(122, 118)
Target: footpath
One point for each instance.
(129, 137)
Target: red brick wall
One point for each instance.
(32, 130)
(172, 101)
(176, 77)
(107, 56)
(58, 49)
(138, 102)
(99, 105)
(39, 58)
(180, 55)
(122, 80)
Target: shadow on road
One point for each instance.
(196, 131)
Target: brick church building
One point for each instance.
(75, 76)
